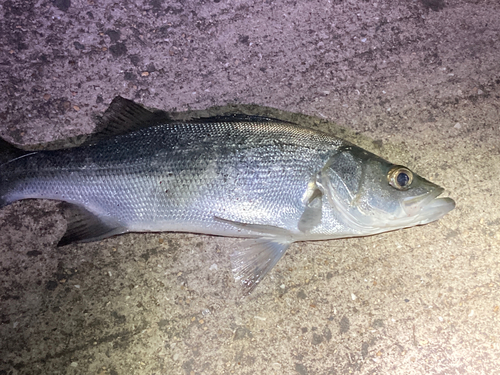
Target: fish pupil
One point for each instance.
(403, 179)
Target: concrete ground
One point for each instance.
(415, 81)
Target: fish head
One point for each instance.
(372, 195)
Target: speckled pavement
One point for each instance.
(416, 81)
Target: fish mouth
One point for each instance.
(427, 207)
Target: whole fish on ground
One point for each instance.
(271, 181)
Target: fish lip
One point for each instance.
(436, 209)
(427, 207)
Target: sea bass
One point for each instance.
(268, 180)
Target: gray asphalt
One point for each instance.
(416, 82)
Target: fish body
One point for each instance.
(271, 181)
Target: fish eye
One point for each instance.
(400, 177)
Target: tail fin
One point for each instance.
(8, 153)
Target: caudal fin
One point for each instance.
(8, 153)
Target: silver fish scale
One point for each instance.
(275, 182)
(181, 177)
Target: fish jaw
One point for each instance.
(426, 208)
(419, 210)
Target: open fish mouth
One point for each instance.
(427, 207)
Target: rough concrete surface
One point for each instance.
(417, 82)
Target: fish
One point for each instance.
(269, 181)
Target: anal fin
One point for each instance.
(85, 226)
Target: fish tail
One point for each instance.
(8, 153)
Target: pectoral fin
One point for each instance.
(313, 212)
(258, 229)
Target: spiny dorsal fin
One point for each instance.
(124, 116)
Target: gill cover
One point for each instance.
(340, 180)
